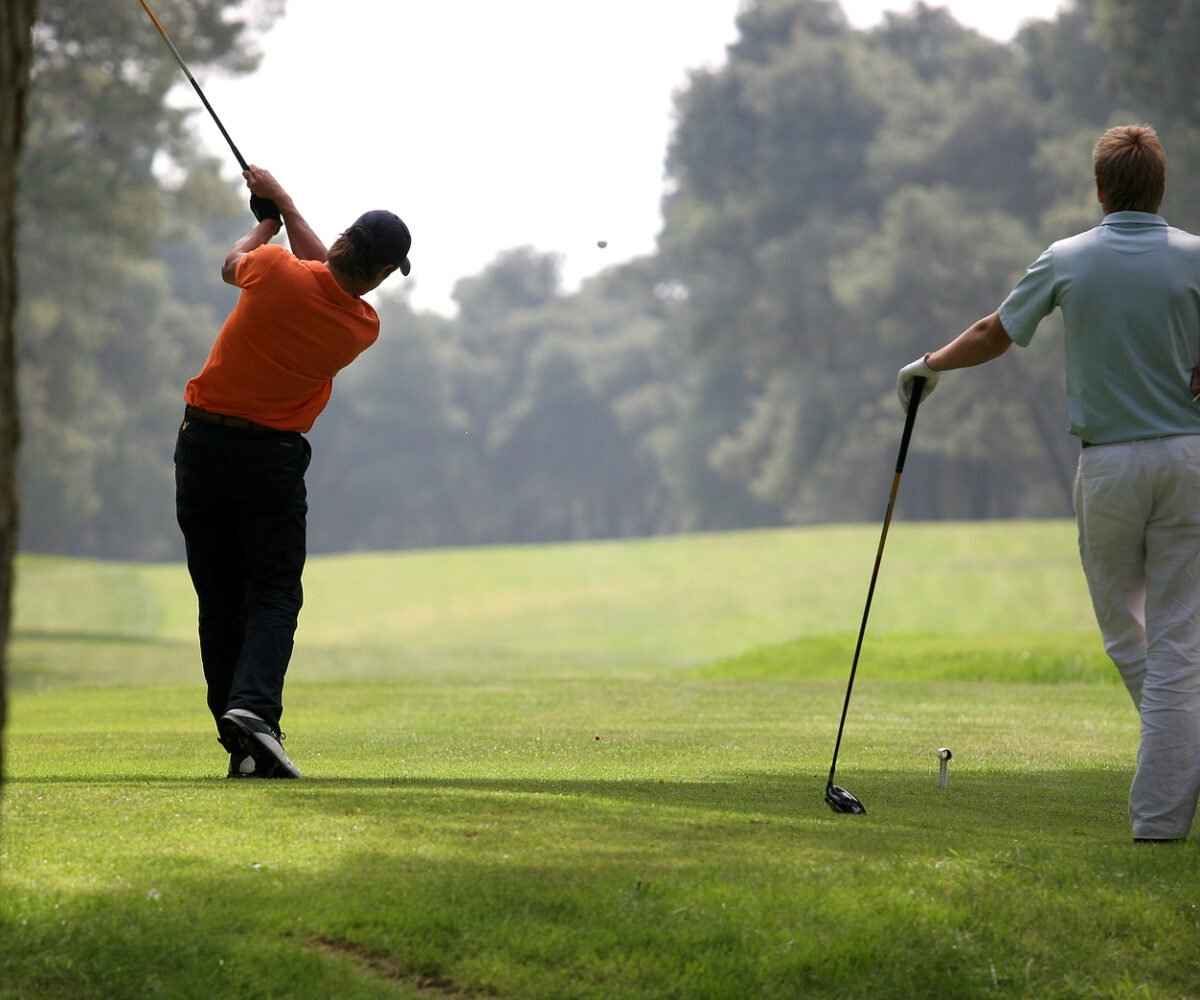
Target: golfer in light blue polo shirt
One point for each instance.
(1129, 291)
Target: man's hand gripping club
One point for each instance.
(268, 191)
(981, 342)
(915, 370)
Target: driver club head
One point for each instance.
(842, 801)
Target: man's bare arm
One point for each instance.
(257, 236)
(982, 341)
(305, 243)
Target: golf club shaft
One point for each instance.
(917, 389)
(192, 80)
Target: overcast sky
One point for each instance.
(491, 125)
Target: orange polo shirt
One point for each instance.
(292, 330)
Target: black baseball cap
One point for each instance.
(387, 237)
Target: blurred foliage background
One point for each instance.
(838, 201)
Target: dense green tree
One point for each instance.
(1152, 51)
(110, 304)
(955, 159)
(934, 266)
(1067, 68)
(530, 416)
(394, 464)
(536, 385)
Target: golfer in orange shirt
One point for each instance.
(241, 456)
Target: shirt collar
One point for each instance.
(1133, 219)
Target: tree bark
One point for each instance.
(16, 24)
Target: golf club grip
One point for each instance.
(914, 401)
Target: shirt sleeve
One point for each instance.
(253, 266)
(1031, 301)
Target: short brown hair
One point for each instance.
(1131, 169)
(350, 257)
(376, 240)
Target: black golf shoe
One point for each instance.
(245, 734)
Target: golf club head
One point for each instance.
(842, 801)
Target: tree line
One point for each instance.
(838, 201)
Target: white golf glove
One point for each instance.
(904, 381)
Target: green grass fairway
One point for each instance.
(595, 771)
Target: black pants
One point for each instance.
(242, 506)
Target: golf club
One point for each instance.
(261, 207)
(840, 800)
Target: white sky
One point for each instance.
(487, 125)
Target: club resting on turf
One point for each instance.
(262, 207)
(840, 800)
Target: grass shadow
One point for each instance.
(991, 806)
(984, 806)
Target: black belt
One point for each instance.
(224, 420)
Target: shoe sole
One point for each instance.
(241, 729)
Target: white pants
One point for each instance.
(1137, 506)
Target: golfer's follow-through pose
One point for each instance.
(241, 457)
(1129, 291)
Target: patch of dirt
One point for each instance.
(388, 968)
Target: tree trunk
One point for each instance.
(16, 22)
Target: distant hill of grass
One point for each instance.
(1016, 658)
(642, 605)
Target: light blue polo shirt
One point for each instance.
(1129, 291)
